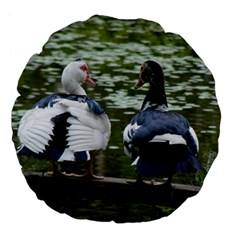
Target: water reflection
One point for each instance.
(114, 51)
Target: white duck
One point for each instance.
(65, 126)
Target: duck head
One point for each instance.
(74, 75)
(152, 73)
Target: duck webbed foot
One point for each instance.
(168, 182)
(89, 173)
(59, 174)
(139, 181)
(56, 173)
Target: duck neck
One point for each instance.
(79, 91)
(73, 87)
(155, 98)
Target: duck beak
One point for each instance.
(90, 82)
(139, 83)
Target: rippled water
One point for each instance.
(114, 50)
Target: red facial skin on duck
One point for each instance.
(88, 80)
(140, 81)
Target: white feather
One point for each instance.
(87, 131)
(171, 138)
(129, 132)
(194, 135)
(67, 155)
(134, 163)
(35, 128)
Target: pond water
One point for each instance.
(114, 50)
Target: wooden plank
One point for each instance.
(63, 189)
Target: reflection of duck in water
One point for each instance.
(160, 142)
(65, 126)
